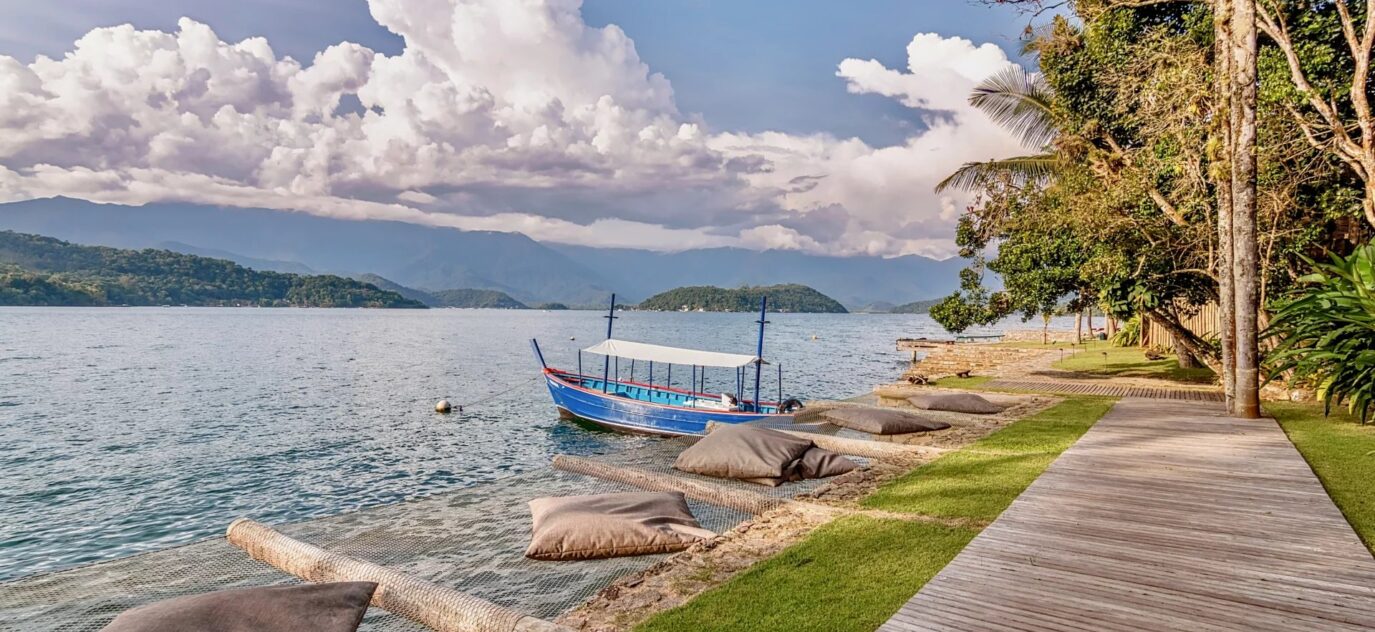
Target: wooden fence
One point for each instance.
(1204, 322)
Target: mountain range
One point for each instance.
(433, 258)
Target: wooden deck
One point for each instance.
(1165, 516)
(1080, 387)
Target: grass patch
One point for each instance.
(854, 573)
(980, 481)
(973, 381)
(851, 574)
(1101, 358)
(1341, 452)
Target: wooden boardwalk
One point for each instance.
(1164, 516)
(1068, 387)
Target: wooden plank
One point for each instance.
(1164, 516)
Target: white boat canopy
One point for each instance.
(669, 355)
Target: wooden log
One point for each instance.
(854, 447)
(440, 608)
(741, 500)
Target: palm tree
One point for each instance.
(1020, 102)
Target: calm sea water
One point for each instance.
(131, 429)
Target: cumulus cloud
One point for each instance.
(498, 115)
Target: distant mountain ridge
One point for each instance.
(38, 270)
(854, 281)
(430, 258)
(461, 297)
(789, 298)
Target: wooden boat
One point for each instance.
(631, 405)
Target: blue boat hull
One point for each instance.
(630, 413)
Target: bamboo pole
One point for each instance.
(748, 502)
(440, 608)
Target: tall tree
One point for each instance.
(1245, 254)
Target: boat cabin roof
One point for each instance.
(669, 355)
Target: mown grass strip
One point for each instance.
(1341, 452)
(851, 574)
(854, 573)
(980, 481)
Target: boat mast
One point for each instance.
(759, 353)
(606, 360)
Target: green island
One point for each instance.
(37, 270)
(473, 298)
(704, 298)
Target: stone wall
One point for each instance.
(941, 360)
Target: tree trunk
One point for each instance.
(1078, 326)
(1182, 354)
(1244, 247)
(1089, 311)
(1112, 325)
(1045, 329)
(1197, 347)
(1222, 181)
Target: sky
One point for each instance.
(665, 124)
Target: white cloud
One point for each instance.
(498, 115)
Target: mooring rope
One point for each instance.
(498, 394)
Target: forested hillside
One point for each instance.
(37, 270)
(782, 298)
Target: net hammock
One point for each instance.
(462, 551)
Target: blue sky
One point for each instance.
(818, 126)
(750, 65)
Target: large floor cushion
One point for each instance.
(955, 402)
(335, 607)
(882, 421)
(819, 463)
(612, 525)
(744, 452)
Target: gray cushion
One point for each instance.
(955, 402)
(317, 607)
(819, 463)
(612, 525)
(882, 421)
(744, 452)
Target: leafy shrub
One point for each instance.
(1326, 334)
(1130, 333)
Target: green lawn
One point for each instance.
(981, 480)
(1099, 357)
(856, 572)
(974, 381)
(1341, 452)
(851, 574)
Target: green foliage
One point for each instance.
(782, 298)
(552, 306)
(488, 299)
(1129, 335)
(1327, 332)
(45, 271)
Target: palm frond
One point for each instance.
(1018, 170)
(1020, 102)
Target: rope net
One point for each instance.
(470, 540)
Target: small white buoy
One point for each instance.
(442, 406)
(572, 337)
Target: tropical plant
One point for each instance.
(1326, 335)
(1021, 103)
(1130, 333)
